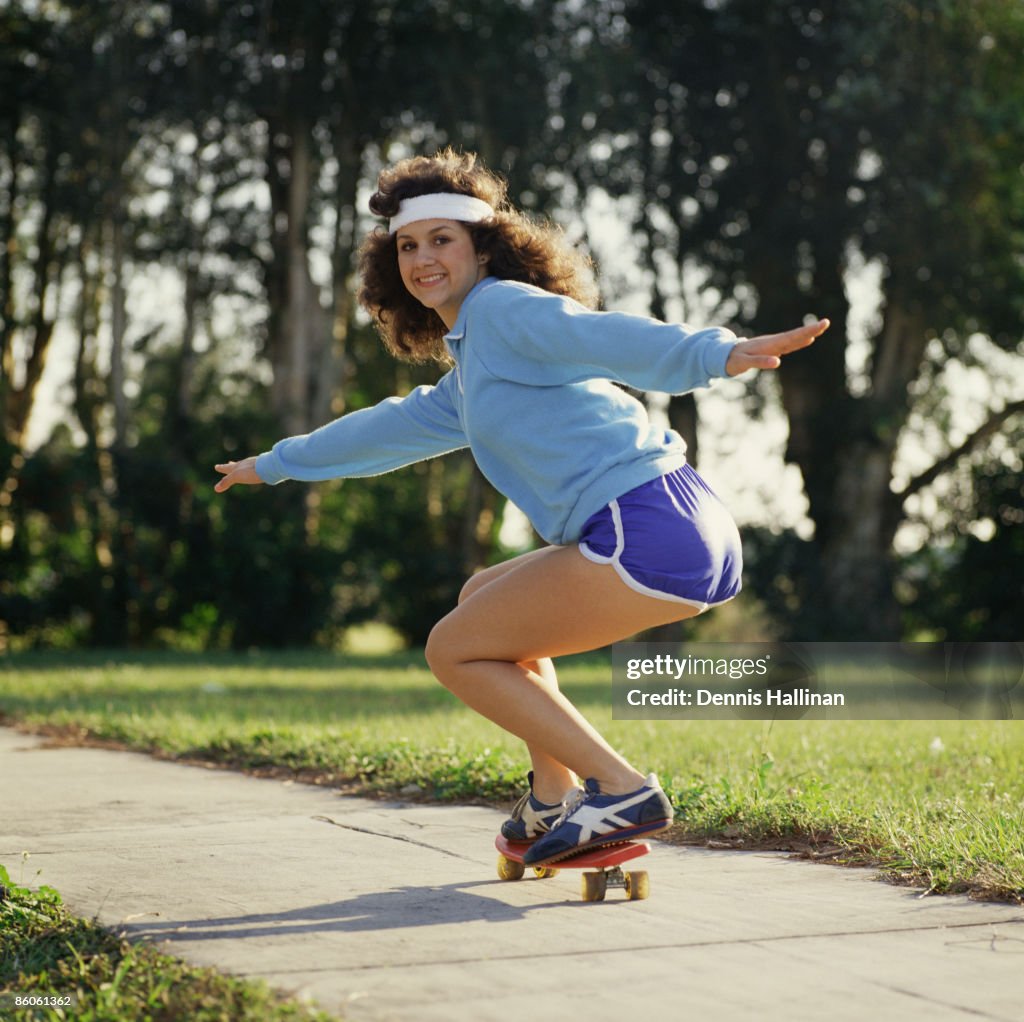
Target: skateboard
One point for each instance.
(605, 861)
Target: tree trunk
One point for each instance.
(329, 397)
(118, 327)
(299, 332)
(682, 417)
(299, 327)
(856, 555)
(187, 360)
(38, 330)
(845, 448)
(88, 388)
(7, 226)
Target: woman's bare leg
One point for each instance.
(551, 778)
(488, 652)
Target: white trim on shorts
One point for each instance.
(615, 561)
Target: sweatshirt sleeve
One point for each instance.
(538, 334)
(371, 441)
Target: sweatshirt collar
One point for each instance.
(458, 331)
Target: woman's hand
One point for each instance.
(765, 352)
(237, 472)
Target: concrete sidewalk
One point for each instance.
(394, 912)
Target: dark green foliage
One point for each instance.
(776, 146)
(972, 588)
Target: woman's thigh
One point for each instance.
(488, 575)
(552, 603)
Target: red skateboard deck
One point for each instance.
(606, 860)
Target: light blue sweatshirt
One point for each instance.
(531, 396)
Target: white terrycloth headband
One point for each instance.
(440, 206)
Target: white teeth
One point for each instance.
(431, 278)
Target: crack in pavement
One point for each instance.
(396, 837)
(675, 946)
(924, 998)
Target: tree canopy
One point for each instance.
(182, 193)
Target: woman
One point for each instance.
(636, 538)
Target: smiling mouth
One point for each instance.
(430, 279)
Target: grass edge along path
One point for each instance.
(937, 805)
(903, 856)
(54, 966)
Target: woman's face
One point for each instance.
(439, 265)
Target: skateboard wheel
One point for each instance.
(594, 886)
(544, 872)
(638, 886)
(509, 869)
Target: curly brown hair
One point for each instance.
(517, 249)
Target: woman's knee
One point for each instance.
(440, 650)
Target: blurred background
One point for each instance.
(183, 188)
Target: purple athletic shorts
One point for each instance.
(671, 538)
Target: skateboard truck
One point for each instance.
(635, 883)
(605, 863)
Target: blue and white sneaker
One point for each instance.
(530, 817)
(591, 819)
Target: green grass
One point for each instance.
(60, 967)
(934, 803)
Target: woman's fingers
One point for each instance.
(765, 352)
(237, 472)
(790, 340)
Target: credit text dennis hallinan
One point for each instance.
(667, 666)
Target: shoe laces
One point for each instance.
(520, 806)
(570, 804)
